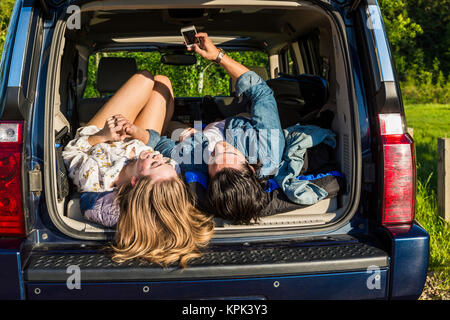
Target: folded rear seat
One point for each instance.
(317, 214)
(112, 73)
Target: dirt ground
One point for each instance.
(436, 287)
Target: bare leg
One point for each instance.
(128, 101)
(158, 110)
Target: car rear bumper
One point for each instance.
(409, 254)
(341, 269)
(330, 267)
(333, 286)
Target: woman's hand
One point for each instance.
(130, 130)
(113, 130)
(125, 129)
(205, 48)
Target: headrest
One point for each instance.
(113, 73)
(260, 71)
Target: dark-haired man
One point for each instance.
(236, 152)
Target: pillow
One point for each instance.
(100, 208)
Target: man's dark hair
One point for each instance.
(236, 195)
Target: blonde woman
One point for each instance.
(114, 152)
(164, 230)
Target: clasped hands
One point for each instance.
(118, 128)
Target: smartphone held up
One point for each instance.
(188, 34)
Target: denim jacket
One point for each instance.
(298, 139)
(260, 138)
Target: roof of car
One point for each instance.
(258, 28)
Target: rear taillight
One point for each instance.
(12, 222)
(399, 174)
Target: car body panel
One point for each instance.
(349, 285)
(11, 278)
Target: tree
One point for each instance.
(434, 18)
(6, 7)
(402, 33)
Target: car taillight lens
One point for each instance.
(399, 174)
(12, 221)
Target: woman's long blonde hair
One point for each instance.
(159, 223)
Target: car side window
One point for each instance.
(310, 52)
(287, 61)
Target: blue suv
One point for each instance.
(63, 59)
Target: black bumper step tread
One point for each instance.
(260, 261)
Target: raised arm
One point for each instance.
(263, 105)
(209, 51)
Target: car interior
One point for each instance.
(301, 40)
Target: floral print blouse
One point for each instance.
(95, 168)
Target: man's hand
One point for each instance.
(208, 50)
(205, 48)
(186, 134)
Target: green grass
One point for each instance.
(430, 121)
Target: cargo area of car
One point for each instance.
(286, 32)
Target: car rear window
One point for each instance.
(203, 78)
